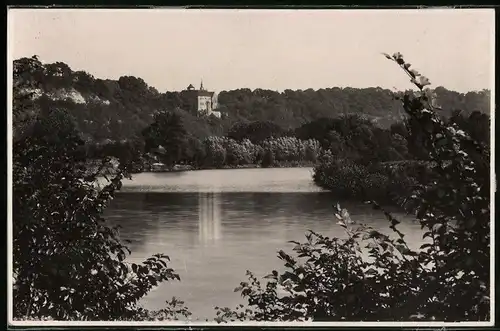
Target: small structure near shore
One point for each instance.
(161, 167)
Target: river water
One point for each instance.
(216, 224)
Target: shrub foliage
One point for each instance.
(68, 263)
(369, 275)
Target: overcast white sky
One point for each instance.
(271, 49)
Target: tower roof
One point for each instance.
(205, 93)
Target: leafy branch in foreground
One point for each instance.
(372, 276)
(68, 263)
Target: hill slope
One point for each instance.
(120, 109)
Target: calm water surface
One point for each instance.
(216, 224)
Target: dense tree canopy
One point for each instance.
(168, 133)
(121, 109)
(256, 131)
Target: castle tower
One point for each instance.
(204, 100)
(201, 101)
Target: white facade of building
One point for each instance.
(204, 103)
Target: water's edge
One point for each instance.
(217, 224)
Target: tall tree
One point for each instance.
(167, 132)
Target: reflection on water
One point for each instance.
(209, 217)
(213, 238)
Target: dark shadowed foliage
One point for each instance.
(68, 263)
(168, 132)
(256, 132)
(371, 276)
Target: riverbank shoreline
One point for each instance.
(186, 168)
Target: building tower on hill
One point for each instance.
(201, 100)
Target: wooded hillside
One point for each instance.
(121, 109)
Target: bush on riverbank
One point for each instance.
(446, 279)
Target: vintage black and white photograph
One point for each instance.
(177, 166)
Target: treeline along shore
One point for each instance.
(357, 139)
